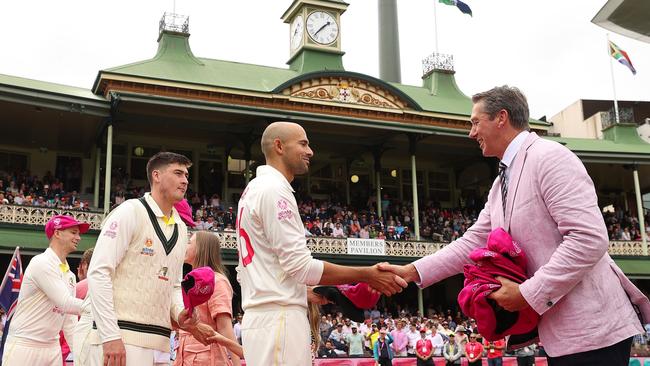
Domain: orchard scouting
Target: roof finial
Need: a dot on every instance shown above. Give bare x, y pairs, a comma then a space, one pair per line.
174, 23
438, 61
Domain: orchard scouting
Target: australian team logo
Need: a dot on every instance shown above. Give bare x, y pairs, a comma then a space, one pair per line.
162, 274
111, 232
284, 211
147, 248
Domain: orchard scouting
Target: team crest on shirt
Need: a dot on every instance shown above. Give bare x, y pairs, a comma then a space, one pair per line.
111, 232
162, 274
284, 212
147, 248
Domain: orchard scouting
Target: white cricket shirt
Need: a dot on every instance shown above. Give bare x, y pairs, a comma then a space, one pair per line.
275, 264
46, 301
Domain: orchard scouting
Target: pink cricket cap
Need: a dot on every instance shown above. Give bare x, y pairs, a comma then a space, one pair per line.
198, 286
61, 222
352, 299
360, 294
185, 211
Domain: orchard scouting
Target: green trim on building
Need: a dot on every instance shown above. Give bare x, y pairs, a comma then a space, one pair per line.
634, 267
33, 237
51, 95
623, 148
308, 60
623, 133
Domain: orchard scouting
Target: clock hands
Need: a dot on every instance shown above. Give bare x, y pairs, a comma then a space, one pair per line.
322, 27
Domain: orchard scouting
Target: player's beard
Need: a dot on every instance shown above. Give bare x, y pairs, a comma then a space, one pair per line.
300, 167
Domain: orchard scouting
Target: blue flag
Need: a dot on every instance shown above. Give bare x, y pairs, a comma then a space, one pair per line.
9, 291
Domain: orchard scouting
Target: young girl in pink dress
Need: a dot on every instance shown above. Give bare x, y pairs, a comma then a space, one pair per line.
204, 249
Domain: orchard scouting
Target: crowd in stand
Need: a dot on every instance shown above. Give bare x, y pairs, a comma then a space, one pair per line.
443, 335
324, 218
621, 225
22, 188
320, 217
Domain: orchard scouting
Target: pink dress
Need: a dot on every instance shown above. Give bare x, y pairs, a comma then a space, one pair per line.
190, 351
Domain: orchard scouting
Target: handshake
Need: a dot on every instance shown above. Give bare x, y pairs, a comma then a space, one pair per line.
387, 279
390, 279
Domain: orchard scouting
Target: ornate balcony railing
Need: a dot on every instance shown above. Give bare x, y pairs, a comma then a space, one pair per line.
38, 216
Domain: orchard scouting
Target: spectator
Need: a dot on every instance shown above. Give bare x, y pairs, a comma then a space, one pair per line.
338, 339
495, 351
413, 336
424, 349
400, 340
327, 351
382, 352
452, 351
474, 351
355, 342
436, 341
461, 336
373, 336
526, 356
324, 327
338, 231
237, 328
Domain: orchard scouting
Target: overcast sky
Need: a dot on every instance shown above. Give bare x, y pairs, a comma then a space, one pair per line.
550, 49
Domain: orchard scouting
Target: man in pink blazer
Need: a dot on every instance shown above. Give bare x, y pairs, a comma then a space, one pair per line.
551, 210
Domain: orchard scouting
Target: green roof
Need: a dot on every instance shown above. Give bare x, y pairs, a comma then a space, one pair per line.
439, 94
44, 86
175, 62
619, 140
33, 237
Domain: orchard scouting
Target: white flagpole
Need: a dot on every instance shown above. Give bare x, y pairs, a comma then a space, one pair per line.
611, 70
4, 279
435, 25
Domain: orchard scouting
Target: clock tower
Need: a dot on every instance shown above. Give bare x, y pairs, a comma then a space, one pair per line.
315, 34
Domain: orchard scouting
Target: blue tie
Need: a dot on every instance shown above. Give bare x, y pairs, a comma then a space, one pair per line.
504, 186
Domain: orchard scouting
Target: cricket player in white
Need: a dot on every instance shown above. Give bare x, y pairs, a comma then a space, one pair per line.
46, 303
135, 272
275, 265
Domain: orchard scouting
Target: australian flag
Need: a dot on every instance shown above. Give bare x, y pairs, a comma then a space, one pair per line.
9, 291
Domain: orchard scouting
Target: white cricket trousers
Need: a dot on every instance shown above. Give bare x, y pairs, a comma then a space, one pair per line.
19, 352
135, 356
274, 335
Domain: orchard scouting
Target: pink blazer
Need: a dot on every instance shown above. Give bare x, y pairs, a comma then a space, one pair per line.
552, 211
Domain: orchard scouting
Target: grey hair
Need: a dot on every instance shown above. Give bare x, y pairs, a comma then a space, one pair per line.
508, 98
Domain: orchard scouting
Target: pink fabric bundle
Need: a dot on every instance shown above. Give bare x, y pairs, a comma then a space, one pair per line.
501, 257
185, 211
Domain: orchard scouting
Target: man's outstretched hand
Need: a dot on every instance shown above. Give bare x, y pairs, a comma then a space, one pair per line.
386, 282
406, 272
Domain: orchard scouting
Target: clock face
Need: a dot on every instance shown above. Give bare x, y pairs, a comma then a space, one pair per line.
297, 30
322, 27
